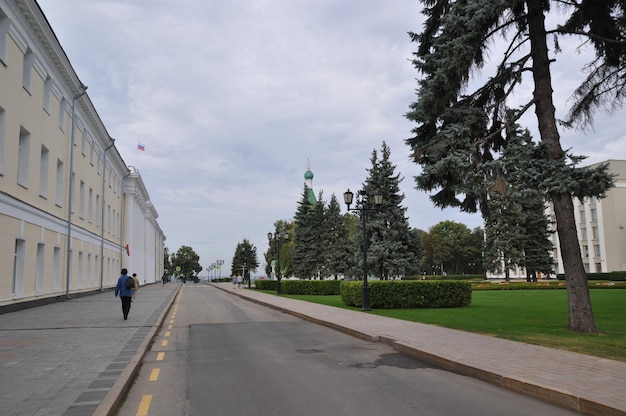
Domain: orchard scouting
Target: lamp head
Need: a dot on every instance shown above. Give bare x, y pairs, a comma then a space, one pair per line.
348, 197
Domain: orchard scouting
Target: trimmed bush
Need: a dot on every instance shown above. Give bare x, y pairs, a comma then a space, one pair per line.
613, 276
265, 284
394, 294
440, 277
311, 287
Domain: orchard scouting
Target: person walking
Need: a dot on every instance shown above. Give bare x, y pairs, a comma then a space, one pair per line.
136, 288
239, 281
125, 292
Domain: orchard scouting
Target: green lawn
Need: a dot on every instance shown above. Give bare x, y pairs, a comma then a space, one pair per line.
532, 316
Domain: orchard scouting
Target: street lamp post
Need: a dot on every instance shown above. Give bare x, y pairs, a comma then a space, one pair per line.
219, 267
278, 237
362, 206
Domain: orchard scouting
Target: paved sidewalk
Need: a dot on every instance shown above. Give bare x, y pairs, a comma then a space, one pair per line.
589, 385
76, 357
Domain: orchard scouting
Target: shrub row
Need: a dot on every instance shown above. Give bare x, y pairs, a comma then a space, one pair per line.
311, 287
301, 287
613, 276
603, 284
440, 277
265, 284
396, 294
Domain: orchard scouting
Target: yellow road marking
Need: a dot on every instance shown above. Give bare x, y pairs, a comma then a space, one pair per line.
164, 343
154, 374
144, 406
167, 333
169, 327
160, 356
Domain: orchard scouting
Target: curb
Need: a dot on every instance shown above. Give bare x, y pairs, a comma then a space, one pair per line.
113, 398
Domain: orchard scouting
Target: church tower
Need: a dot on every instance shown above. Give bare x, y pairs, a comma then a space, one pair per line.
308, 183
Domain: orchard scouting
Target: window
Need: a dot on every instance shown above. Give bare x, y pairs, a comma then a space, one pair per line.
2, 122
81, 202
586, 250
582, 215
43, 171
59, 190
47, 91
583, 232
83, 142
594, 215
62, 109
596, 233
90, 202
80, 269
97, 210
17, 284
27, 70
4, 29
22, 158
89, 274
99, 167
39, 270
56, 269
596, 249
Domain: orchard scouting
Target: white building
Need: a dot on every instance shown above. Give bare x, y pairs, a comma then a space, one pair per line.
62, 235
600, 226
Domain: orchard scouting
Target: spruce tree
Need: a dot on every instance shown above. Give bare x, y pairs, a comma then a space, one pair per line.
389, 252
306, 240
460, 128
338, 247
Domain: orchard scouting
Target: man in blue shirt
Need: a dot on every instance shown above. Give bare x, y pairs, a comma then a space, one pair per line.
124, 292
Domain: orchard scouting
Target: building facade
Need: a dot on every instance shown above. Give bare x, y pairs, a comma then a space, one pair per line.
600, 226
66, 196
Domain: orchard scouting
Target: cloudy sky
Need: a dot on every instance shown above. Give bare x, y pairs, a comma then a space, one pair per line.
234, 99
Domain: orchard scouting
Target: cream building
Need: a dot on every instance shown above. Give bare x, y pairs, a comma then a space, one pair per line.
600, 226
62, 234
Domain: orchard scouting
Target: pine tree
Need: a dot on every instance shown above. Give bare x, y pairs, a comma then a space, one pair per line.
458, 130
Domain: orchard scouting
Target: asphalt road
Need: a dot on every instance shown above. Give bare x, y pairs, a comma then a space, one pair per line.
218, 354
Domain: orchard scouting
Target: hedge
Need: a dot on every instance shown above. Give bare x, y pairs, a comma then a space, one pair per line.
543, 285
446, 277
394, 294
301, 287
311, 287
613, 276
265, 284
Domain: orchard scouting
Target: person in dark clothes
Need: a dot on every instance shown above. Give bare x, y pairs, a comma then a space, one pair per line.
124, 293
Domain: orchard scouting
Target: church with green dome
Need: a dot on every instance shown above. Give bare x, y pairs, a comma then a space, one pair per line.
308, 183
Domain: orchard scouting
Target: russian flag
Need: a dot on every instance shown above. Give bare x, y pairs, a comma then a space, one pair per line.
141, 147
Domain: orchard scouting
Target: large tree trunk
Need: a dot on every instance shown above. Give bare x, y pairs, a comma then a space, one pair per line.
580, 312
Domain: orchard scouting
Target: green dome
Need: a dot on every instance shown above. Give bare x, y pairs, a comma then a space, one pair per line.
308, 175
